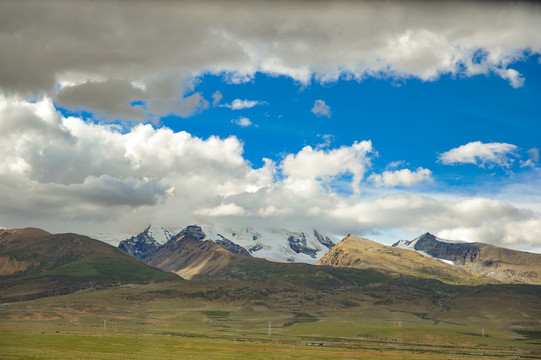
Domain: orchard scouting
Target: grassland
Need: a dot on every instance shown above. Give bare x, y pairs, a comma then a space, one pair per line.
230, 320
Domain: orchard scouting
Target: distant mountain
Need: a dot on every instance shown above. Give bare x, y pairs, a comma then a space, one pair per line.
499, 263
360, 253
187, 256
146, 242
196, 259
35, 263
273, 244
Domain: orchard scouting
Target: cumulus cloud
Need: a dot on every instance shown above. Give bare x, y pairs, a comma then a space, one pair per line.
481, 154
124, 52
242, 121
55, 168
114, 100
65, 174
514, 77
523, 233
239, 104
416, 213
403, 177
310, 164
321, 109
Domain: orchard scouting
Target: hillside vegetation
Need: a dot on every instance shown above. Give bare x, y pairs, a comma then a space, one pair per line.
36, 263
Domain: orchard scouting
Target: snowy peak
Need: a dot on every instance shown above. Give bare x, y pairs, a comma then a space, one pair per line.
272, 244
424, 241
194, 231
276, 244
141, 245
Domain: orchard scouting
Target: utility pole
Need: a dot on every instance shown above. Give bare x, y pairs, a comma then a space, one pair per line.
269, 328
105, 324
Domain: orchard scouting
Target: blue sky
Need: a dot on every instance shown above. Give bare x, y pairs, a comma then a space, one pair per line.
334, 115
408, 120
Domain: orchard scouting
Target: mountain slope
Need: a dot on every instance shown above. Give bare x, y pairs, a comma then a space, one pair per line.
196, 259
499, 263
188, 256
34, 261
360, 253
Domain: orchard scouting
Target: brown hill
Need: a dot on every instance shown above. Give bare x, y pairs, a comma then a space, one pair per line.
35, 263
360, 253
187, 256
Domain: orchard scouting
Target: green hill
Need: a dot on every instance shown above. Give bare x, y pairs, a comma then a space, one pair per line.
35, 263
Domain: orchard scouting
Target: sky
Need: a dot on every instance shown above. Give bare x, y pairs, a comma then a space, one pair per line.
381, 118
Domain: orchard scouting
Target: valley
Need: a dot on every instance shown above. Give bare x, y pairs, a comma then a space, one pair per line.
81, 298
230, 319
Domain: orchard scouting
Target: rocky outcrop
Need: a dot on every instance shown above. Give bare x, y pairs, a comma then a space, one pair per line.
141, 245
323, 240
298, 244
256, 247
194, 231
231, 246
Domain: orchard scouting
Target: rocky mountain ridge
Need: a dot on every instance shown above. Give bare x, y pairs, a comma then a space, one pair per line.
499, 263
360, 253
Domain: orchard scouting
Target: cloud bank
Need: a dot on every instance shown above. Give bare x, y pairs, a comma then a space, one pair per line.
65, 174
130, 63
135, 60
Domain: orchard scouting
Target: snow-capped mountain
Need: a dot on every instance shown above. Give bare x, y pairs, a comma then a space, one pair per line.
499, 263
145, 243
425, 244
306, 246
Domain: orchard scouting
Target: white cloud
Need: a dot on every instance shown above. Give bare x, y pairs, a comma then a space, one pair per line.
124, 52
534, 154
308, 165
396, 164
519, 233
514, 77
229, 209
242, 121
403, 177
321, 109
480, 154
239, 104
65, 174
532, 161
421, 213
327, 141
54, 168
216, 98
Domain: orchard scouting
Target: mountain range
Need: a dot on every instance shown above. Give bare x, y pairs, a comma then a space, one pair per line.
357, 284
203, 251
306, 246
35, 263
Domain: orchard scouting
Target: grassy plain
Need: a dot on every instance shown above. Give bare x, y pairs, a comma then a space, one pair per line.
230, 320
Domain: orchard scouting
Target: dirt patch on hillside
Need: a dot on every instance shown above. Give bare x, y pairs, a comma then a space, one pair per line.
9, 265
